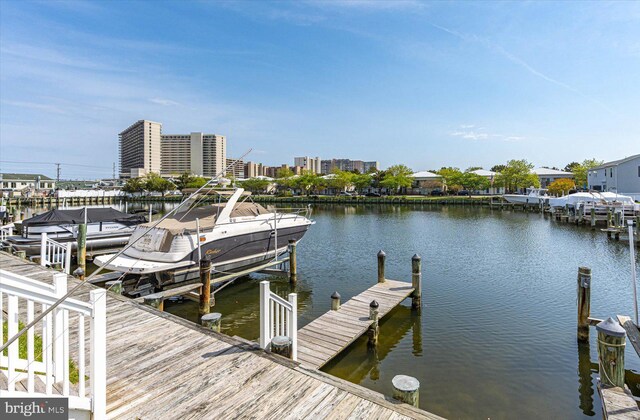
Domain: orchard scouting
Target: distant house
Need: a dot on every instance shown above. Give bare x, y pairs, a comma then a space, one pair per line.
19, 182
621, 176
547, 175
491, 176
424, 182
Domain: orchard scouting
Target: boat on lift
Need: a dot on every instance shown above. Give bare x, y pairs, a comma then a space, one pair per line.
234, 235
533, 197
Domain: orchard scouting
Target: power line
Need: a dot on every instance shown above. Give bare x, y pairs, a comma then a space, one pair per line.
54, 163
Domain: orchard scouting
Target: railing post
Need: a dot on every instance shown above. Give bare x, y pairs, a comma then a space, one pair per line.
265, 316
43, 249
60, 289
98, 300
67, 258
293, 325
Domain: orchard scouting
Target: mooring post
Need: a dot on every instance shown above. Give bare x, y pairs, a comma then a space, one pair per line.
211, 321
381, 257
293, 265
374, 329
82, 247
78, 273
21, 254
335, 301
593, 218
406, 389
416, 281
609, 217
281, 345
611, 343
205, 291
584, 302
115, 286
155, 300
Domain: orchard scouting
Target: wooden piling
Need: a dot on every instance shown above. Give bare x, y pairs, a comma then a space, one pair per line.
335, 301
212, 321
155, 300
416, 281
82, 246
281, 345
584, 302
115, 286
611, 343
381, 257
205, 292
593, 218
21, 254
406, 389
293, 264
374, 329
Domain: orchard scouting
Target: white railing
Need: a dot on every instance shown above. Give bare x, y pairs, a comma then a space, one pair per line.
6, 231
52, 252
278, 317
50, 364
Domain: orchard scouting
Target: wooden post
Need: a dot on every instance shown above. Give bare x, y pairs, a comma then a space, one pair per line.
82, 246
584, 302
609, 216
374, 329
293, 265
57, 266
155, 300
21, 254
212, 321
281, 345
205, 292
381, 257
115, 286
593, 218
406, 389
611, 343
416, 281
79, 273
335, 301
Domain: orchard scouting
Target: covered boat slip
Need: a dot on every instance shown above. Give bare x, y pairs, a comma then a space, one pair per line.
58, 217
593, 198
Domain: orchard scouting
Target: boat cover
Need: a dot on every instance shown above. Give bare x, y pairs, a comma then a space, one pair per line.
74, 217
586, 197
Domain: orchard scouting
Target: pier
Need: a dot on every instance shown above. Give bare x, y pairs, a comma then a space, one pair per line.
159, 363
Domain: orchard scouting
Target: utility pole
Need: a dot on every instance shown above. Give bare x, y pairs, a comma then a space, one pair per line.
57, 173
114, 171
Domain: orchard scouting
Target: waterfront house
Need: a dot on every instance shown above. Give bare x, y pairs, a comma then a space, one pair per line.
548, 175
491, 176
620, 176
16, 183
424, 182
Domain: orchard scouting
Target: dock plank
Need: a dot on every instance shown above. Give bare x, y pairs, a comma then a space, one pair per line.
632, 332
617, 404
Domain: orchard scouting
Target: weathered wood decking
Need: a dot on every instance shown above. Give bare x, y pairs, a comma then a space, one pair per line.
159, 365
324, 338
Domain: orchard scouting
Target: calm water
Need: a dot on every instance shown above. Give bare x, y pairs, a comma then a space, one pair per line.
496, 336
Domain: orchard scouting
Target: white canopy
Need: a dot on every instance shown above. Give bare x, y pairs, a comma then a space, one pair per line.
590, 197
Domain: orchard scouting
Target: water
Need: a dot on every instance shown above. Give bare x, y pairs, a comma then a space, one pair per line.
496, 336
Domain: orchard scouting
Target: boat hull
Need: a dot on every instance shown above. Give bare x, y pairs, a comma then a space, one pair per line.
524, 199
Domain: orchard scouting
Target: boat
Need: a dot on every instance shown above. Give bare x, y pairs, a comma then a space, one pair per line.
234, 235
593, 198
533, 197
106, 228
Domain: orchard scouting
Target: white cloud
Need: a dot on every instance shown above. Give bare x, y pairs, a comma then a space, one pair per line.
473, 133
164, 102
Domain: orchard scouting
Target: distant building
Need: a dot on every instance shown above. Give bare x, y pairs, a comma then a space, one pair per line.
547, 175
327, 166
424, 182
235, 168
491, 176
308, 163
621, 176
139, 148
196, 153
371, 165
253, 170
18, 182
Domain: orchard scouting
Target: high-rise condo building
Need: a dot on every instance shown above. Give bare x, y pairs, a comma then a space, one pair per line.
235, 168
196, 153
253, 169
139, 148
328, 165
308, 163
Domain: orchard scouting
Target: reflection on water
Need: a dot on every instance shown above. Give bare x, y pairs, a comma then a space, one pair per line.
496, 336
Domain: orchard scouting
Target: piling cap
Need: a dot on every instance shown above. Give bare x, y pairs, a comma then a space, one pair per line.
381, 253
610, 327
78, 272
153, 296
211, 316
416, 257
335, 295
405, 383
373, 304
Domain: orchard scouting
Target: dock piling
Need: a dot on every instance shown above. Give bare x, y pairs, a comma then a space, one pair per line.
21, 254
281, 345
406, 389
381, 257
82, 247
611, 343
211, 321
335, 301
293, 265
584, 302
593, 218
155, 300
374, 329
416, 281
205, 292
115, 286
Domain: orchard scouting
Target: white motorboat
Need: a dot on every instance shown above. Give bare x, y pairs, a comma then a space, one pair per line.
106, 228
595, 198
533, 197
233, 235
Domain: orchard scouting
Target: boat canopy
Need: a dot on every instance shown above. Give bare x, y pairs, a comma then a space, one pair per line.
586, 197
77, 216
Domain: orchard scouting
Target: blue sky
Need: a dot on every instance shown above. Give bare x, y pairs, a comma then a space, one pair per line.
426, 84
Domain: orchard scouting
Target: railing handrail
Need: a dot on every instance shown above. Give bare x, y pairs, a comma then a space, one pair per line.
59, 253
282, 322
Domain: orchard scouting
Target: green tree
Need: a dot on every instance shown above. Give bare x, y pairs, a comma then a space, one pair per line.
308, 182
133, 185
452, 177
362, 181
474, 182
196, 182
397, 177
517, 174
473, 168
498, 168
581, 170
183, 180
341, 179
154, 182
255, 185
284, 178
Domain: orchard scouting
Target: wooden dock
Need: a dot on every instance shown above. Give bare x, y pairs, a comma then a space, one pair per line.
324, 338
161, 365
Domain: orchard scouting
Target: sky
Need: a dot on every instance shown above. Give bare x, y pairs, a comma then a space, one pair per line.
426, 84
